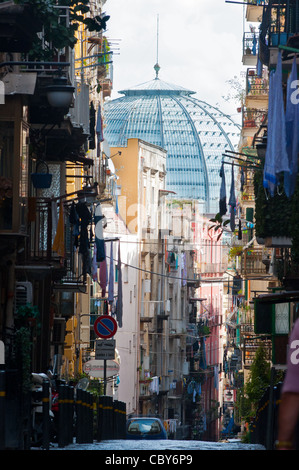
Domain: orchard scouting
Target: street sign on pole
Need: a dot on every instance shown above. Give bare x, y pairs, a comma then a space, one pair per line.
105, 326
105, 349
100, 369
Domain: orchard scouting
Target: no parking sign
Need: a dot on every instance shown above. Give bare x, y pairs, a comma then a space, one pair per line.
105, 326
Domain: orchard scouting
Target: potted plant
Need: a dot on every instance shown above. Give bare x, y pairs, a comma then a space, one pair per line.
28, 315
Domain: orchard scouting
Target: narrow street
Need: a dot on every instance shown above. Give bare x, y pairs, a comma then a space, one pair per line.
183, 446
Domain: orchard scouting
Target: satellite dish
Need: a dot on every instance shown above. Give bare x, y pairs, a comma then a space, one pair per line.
83, 383
106, 148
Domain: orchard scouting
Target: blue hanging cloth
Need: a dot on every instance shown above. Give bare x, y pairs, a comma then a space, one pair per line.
222, 199
276, 159
232, 202
119, 306
292, 141
99, 235
111, 276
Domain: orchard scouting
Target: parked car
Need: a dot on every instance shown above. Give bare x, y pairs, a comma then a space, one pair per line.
145, 428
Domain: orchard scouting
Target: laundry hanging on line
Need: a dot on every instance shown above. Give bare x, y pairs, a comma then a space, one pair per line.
276, 158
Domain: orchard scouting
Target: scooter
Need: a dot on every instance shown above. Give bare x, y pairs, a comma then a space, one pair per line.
37, 408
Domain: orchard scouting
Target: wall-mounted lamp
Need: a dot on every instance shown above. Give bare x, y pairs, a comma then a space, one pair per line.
118, 153
60, 94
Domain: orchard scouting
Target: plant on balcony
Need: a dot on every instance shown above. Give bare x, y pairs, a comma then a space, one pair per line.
28, 316
219, 224
235, 251
277, 216
55, 33
23, 347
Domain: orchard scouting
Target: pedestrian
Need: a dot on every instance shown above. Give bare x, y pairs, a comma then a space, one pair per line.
288, 414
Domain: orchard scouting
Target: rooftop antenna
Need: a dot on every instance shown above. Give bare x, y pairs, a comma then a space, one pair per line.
157, 66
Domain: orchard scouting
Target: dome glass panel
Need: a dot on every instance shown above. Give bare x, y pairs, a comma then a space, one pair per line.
194, 134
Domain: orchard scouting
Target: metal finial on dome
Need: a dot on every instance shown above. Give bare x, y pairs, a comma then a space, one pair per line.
157, 66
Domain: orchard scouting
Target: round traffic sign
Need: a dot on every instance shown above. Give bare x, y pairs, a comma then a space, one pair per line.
95, 368
105, 326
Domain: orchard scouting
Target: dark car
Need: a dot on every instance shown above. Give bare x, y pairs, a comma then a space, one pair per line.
145, 428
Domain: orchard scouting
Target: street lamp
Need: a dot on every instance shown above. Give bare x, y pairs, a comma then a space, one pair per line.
60, 94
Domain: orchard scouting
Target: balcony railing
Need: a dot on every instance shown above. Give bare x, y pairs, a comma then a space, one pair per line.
255, 85
40, 249
250, 44
255, 261
253, 118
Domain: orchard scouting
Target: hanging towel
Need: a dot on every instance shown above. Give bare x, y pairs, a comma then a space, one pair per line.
94, 267
99, 128
222, 199
242, 180
58, 244
292, 141
240, 230
111, 276
232, 202
116, 197
74, 221
254, 44
85, 219
276, 159
54, 218
119, 306
99, 236
103, 276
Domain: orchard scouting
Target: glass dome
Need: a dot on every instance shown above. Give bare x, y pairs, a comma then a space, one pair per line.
194, 134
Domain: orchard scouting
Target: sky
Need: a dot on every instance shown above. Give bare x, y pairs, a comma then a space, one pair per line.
199, 46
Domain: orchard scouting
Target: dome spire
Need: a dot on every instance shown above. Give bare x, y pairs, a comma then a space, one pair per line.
157, 66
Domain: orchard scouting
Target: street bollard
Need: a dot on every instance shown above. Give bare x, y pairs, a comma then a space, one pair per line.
90, 418
85, 417
46, 414
100, 418
62, 416
79, 416
109, 418
123, 420
117, 419
70, 414
2, 409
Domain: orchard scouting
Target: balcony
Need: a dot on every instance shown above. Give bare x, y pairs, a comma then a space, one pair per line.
255, 261
211, 268
257, 89
68, 266
250, 48
252, 120
18, 27
279, 24
254, 11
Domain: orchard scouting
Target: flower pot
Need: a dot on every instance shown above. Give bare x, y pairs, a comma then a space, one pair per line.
41, 180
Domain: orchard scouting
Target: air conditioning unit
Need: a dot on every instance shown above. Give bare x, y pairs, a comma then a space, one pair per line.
23, 294
58, 331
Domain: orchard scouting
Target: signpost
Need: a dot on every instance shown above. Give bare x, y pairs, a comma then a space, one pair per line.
105, 349
105, 327
95, 368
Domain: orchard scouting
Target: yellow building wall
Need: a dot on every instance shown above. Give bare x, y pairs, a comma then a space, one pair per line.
126, 166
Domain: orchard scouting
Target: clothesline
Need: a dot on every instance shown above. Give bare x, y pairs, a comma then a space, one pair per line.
153, 272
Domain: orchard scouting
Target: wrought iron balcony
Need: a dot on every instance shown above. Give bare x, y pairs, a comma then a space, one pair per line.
69, 267
255, 261
257, 88
250, 48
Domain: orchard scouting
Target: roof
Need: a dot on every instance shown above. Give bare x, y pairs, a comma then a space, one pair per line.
194, 133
